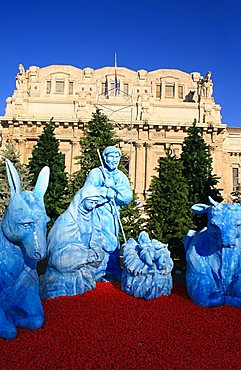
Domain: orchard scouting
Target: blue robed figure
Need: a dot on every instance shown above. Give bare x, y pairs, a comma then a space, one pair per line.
74, 247
115, 192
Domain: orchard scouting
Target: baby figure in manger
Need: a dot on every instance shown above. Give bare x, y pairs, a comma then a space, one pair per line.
147, 268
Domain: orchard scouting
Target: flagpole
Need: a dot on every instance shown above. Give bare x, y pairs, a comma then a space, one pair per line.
106, 88
116, 82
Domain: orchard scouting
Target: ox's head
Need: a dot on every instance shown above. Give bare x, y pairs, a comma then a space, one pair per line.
24, 223
224, 222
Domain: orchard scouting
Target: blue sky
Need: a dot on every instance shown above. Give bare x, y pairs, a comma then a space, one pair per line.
186, 35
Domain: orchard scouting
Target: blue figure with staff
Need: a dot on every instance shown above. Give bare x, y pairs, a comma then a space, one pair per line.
115, 192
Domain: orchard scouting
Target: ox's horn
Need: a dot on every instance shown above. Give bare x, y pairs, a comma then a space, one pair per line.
212, 201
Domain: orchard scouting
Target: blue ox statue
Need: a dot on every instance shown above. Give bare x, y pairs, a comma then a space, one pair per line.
22, 244
213, 256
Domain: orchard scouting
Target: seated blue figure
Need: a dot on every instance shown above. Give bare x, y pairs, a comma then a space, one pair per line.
213, 255
147, 267
22, 244
115, 192
74, 248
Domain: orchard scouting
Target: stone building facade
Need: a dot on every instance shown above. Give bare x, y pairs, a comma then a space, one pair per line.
150, 110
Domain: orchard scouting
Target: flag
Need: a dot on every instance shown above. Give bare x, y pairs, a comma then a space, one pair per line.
106, 88
116, 81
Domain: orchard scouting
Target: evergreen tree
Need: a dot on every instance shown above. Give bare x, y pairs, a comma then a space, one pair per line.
14, 156
132, 219
197, 169
46, 153
169, 216
98, 134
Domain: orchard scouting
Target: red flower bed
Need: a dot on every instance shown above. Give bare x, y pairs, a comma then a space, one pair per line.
107, 329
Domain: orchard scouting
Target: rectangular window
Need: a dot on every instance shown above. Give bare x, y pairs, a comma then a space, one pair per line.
126, 89
176, 152
235, 178
169, 91
158, 91
103, 87
180, 92
59, 88
71, 88
112, 88
125, 161
118, 87
48, 87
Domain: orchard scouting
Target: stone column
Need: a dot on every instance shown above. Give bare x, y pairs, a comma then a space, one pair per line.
148, 166
132, 164
1, 135
74, 153
21, 147
176, 90
139, 169
162, 90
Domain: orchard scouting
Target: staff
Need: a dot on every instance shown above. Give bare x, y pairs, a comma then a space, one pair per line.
113, 200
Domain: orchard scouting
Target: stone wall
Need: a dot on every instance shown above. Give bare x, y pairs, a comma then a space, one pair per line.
150, 110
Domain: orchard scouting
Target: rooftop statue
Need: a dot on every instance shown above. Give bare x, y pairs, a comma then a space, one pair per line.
21, 77
213, 256
115, 192
74, 247
22, 244
147, 268
205, 86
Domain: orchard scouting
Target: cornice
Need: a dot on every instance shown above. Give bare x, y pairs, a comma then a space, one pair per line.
122, 124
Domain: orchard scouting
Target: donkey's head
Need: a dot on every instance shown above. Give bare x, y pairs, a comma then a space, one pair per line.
24, 223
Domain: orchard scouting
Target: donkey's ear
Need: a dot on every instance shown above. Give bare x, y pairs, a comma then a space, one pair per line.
42, 182
13, 178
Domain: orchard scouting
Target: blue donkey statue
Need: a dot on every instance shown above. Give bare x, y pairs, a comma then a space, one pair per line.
22, 244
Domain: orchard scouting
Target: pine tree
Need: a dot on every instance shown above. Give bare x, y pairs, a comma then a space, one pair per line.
14, 156
197, 169
46, 153
98, 134
169, 216
132, 219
